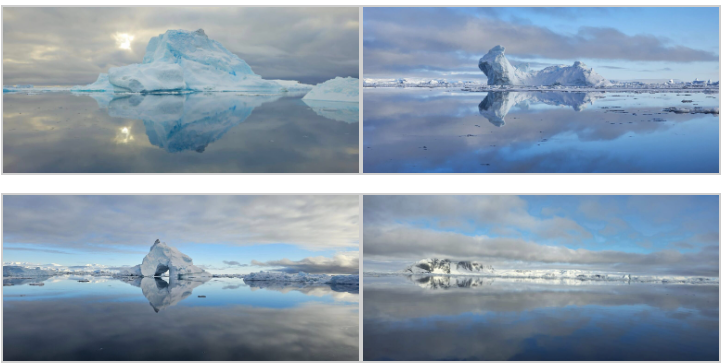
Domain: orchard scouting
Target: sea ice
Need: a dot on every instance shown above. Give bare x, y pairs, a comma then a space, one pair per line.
338, 89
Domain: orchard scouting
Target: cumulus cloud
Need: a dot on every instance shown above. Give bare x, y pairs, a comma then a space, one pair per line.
121, 223
235, 263
341, 263
67, 46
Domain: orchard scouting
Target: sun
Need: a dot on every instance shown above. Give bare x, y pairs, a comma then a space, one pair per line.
123, 40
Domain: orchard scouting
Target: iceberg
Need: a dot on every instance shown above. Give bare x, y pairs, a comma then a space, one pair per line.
338, 89
163, 258
500, 71
100, 85
181, 60
445, 266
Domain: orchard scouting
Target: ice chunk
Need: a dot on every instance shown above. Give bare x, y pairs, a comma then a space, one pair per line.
100, 85
338, 89
188, 60
500, 71
163, 258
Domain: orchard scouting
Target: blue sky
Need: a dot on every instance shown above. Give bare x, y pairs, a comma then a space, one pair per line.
619, 43
635, 234
224, 234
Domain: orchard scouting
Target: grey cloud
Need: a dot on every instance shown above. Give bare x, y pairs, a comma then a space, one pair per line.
339, 264
448, 39
67, 46
93, 223
36, 250
235, 263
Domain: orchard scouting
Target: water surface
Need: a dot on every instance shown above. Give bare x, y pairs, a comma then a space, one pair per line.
193, 133
426, 318
449, 131
161, 319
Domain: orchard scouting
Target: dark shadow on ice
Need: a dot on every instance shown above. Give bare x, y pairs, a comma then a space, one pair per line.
161, 293
497, 105
339, 111
183, 122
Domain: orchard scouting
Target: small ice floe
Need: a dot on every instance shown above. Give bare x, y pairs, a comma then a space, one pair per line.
687, 101
84, 280
202, 296
7, 284
712, 110
36, 284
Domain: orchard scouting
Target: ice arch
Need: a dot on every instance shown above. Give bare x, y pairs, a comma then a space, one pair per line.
163, 258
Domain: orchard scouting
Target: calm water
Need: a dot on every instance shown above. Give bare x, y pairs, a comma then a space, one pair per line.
442, 131
157, 319
480, 319
196, 133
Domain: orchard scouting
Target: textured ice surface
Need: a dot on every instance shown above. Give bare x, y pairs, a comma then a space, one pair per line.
500, 71
25, 272
100, 85
303, 277
337, 89
188, 60
163, 258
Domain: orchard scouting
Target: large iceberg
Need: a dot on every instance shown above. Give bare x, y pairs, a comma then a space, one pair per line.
338, 89
500, 71
163, 258
181, 60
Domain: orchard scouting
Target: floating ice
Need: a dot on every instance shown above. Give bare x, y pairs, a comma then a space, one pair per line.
338, 89
19, 271
163, 258
303, 277
100, 85
500, 71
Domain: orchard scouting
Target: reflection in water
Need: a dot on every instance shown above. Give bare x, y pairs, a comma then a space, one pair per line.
340, 111
178, 123
221, 133
162, 294
107, 319
497, 105
286, 286
504, 320
438, 131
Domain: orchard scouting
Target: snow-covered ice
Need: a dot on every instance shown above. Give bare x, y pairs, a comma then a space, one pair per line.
303, 277
163, 258
338, 89
436, 266
500, 71
19, 271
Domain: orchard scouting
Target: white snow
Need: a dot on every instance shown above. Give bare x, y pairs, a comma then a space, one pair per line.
435, 266
303, 277
162, 258
338, 89
500, 71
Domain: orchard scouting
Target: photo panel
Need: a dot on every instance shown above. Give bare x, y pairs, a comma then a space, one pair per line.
541, 90
181, 90
181, 277
541, 277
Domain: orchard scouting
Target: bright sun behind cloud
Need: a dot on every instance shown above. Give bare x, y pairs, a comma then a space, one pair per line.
123, 40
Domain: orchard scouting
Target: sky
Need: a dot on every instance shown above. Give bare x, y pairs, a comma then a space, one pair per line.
641, 43
645, 235
71, 46
222, 234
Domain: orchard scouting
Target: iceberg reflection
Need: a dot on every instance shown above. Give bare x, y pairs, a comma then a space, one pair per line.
183, 122
161, 293
497, 105
339, 111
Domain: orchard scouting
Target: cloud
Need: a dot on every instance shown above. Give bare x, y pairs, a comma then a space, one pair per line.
409, 39
341, 263
67, 46
235, 263
129, 223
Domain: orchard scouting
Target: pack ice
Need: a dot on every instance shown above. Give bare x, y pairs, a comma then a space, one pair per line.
182, 60
163, 258
500, 71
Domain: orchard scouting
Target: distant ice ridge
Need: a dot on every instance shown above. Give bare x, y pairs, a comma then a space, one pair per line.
163, 258
500, 71
19, 271
435, 266
303, 277
338, 89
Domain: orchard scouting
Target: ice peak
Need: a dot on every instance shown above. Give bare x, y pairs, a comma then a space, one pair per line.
498, 49
163, 258
579, 64
201, 32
